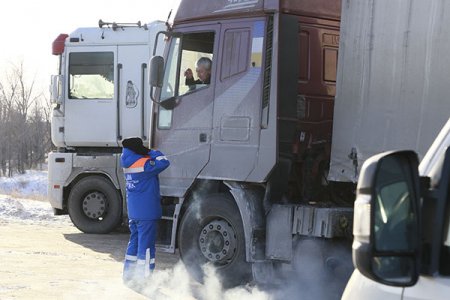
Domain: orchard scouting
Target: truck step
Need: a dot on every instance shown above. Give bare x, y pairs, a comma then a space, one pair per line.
167, 228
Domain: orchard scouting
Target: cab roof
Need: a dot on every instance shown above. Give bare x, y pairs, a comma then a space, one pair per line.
109, 35
191, 10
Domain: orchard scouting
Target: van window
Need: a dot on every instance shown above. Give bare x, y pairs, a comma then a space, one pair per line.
91, 75
444, 263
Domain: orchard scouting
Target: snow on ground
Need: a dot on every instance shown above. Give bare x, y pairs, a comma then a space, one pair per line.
18, 197
31, 185
28, 211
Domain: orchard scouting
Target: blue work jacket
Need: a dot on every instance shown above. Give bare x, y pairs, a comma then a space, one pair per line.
141, 175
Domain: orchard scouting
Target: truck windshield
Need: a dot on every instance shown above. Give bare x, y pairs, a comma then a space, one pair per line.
189, 64
91, 75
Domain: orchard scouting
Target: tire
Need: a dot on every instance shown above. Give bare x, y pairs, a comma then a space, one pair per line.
95, 205
211, 231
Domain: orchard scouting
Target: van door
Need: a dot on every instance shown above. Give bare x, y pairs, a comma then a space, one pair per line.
184, 132
133, 92
429, 288
438, 286
90, 102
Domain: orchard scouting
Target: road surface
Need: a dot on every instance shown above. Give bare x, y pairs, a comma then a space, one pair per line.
56, 261
45, 257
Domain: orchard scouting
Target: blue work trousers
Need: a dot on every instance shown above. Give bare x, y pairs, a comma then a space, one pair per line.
141, 250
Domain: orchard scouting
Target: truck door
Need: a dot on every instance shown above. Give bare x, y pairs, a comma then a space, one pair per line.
133, 91
184, 132
90, 104
238, 100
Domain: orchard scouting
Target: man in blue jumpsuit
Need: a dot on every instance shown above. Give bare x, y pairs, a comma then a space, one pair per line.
141, 167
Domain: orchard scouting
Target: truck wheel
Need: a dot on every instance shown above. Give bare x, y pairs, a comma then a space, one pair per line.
211, 231
94, 205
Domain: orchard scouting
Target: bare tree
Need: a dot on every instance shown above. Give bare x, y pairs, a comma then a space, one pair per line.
40, 140
24, 123
9, 94
2, 132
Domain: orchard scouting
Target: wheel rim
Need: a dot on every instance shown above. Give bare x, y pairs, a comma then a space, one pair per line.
217, 241
95, 205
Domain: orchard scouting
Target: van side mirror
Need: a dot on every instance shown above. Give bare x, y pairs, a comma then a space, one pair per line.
56, 89
156, 71
386, 246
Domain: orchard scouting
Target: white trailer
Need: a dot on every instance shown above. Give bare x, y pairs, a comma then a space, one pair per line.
101, 95
392, 87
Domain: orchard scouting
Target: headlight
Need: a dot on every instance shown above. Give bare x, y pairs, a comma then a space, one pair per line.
361, 221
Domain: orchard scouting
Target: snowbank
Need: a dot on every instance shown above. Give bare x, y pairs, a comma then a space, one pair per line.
28, 211
18, 197
31, 185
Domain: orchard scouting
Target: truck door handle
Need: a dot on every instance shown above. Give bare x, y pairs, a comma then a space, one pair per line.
203, 137
143, 67
119, 68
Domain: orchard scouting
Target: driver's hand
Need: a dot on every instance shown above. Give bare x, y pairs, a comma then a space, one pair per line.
188, 74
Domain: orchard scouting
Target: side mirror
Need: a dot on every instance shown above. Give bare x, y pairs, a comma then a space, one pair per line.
156, 71
56, 89
170, 103
386, 246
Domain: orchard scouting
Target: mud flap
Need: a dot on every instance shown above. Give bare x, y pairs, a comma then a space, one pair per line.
279, 233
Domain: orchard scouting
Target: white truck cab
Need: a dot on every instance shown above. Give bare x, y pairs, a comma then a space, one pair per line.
101, 91
101, 95
401, 247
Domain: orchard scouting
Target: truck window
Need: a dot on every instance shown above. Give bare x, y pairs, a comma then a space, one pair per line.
91, 75
235, 53
196, 55
185, 53
170, 79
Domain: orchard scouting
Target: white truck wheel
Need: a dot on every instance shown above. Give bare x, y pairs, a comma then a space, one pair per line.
95, 205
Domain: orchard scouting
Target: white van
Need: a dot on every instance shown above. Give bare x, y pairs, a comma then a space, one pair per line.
401, 247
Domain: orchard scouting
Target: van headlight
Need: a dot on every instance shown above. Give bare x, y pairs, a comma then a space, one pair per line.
361, 221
